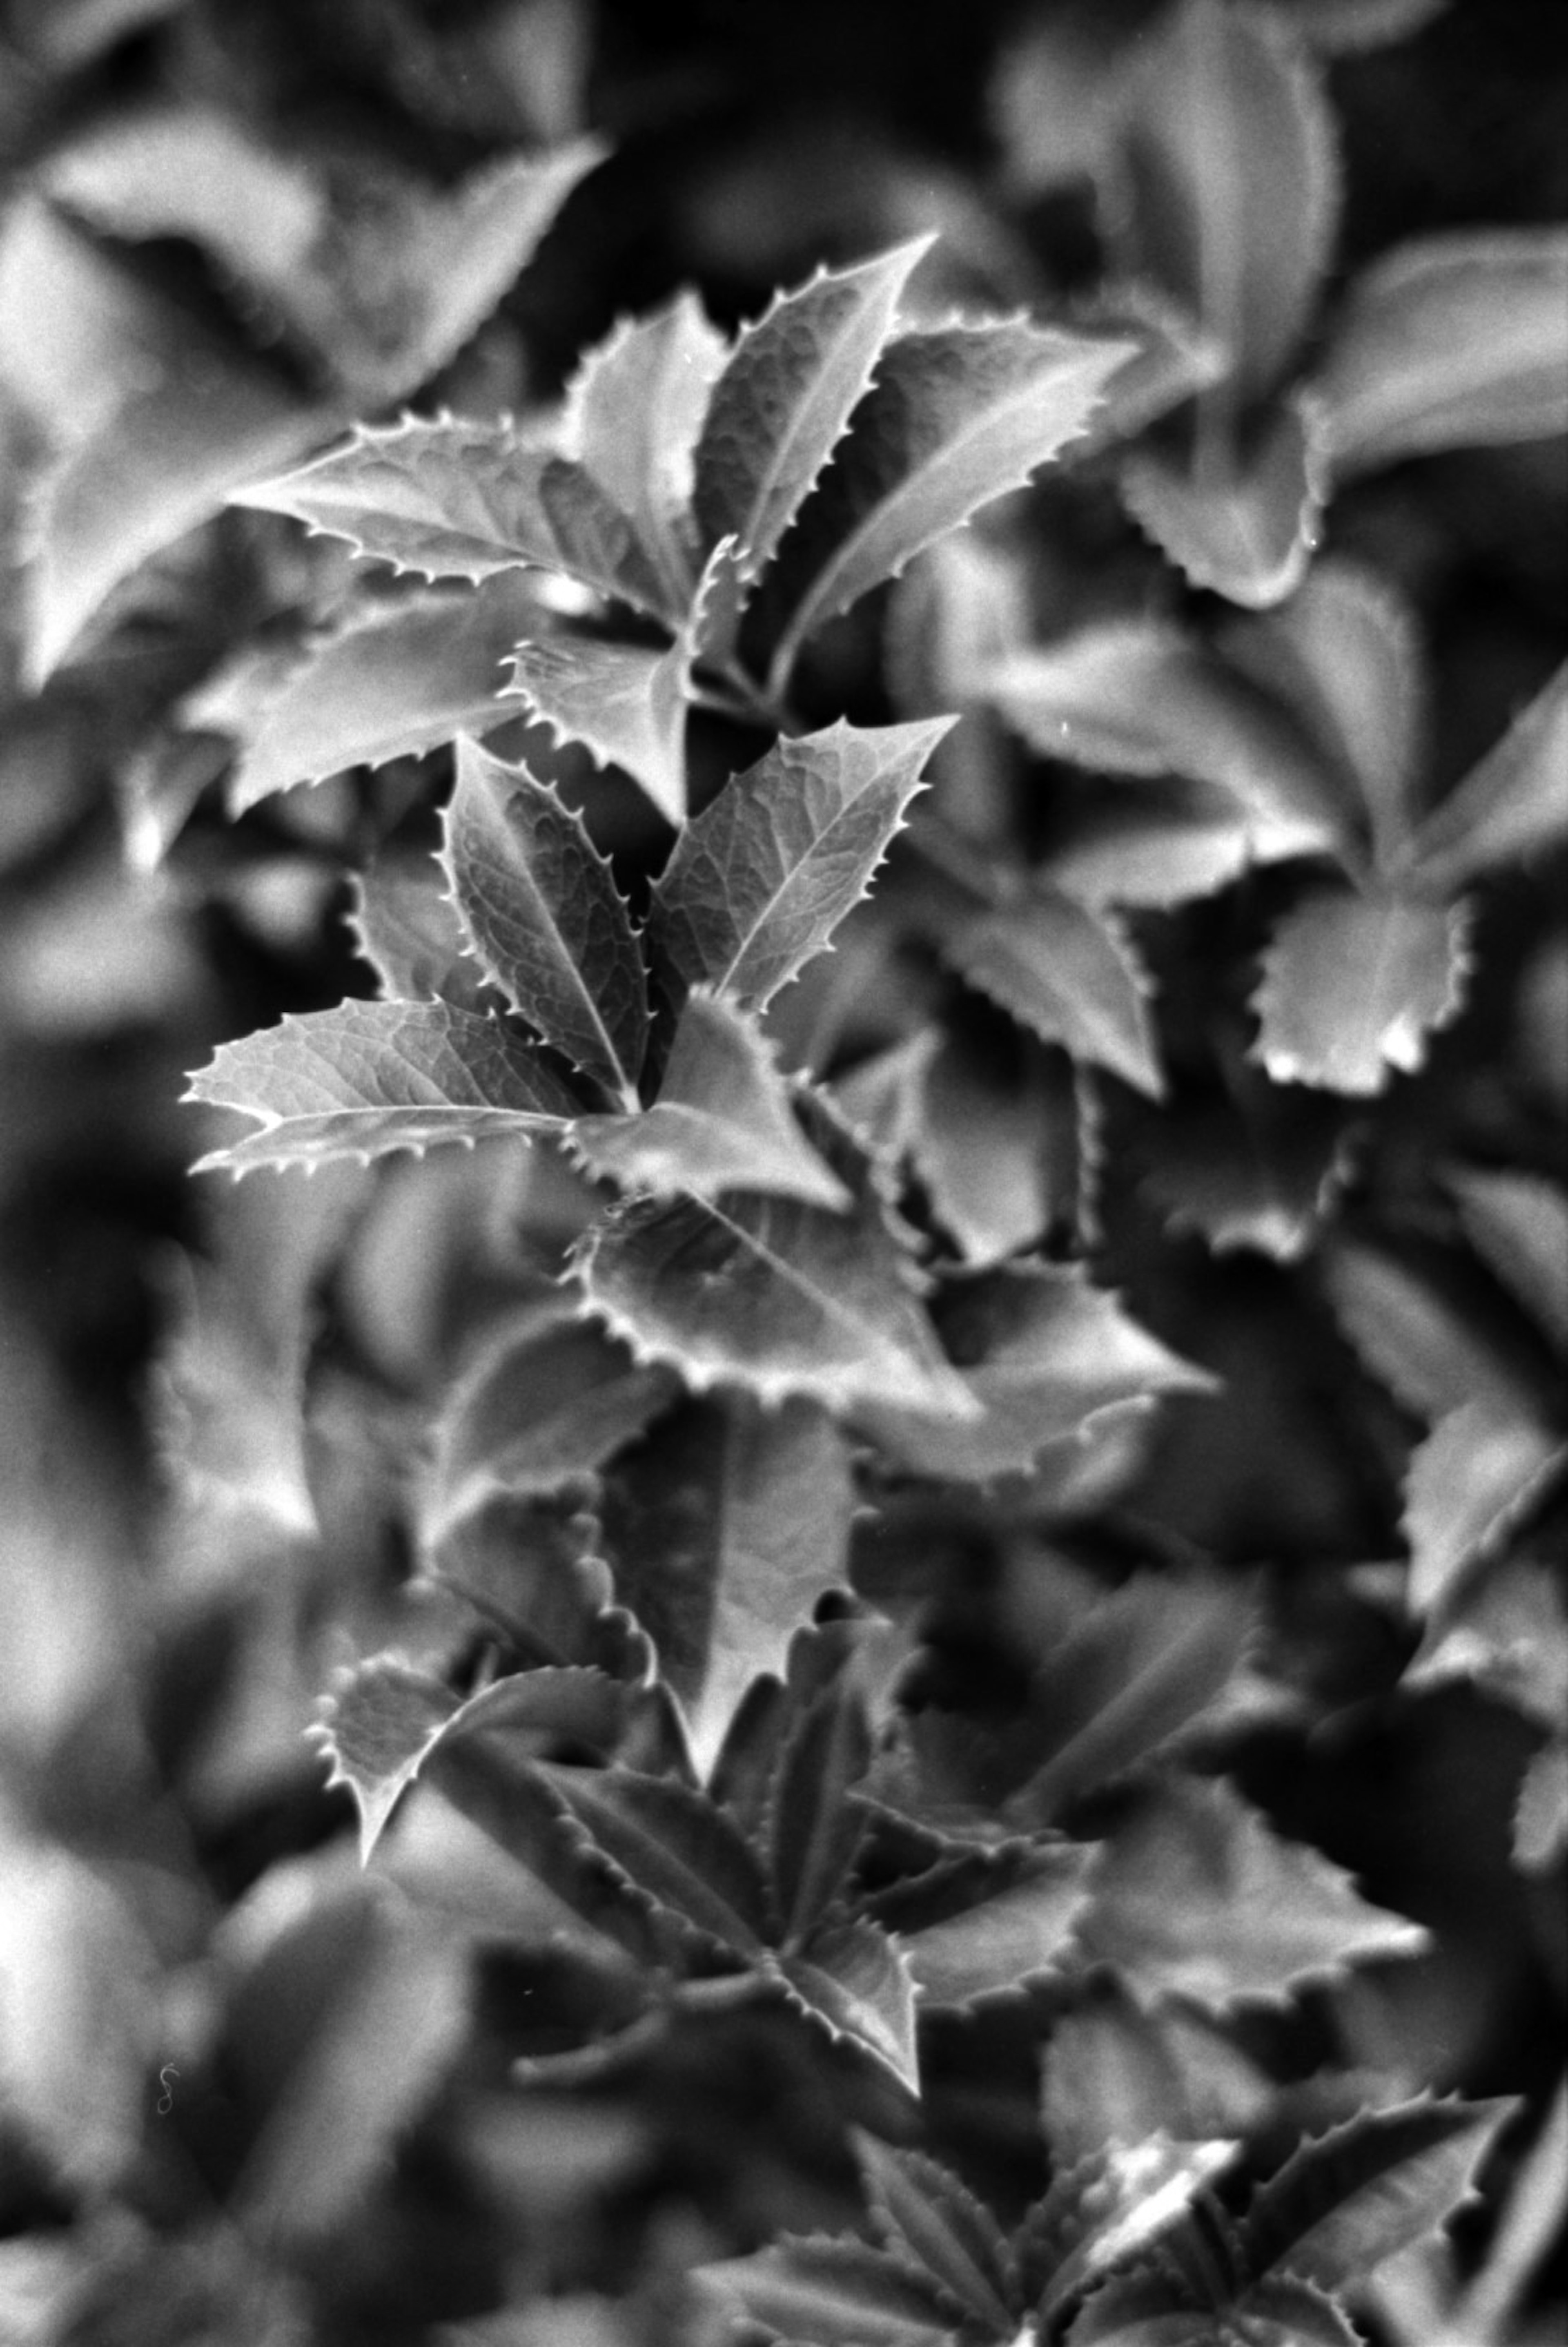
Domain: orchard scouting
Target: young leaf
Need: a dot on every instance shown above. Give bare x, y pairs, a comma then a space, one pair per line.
785, 395
998, 1944
1195, 1896
815, 1829
1066, 974
928, 2218
624, 702
459, 500
633, 412
774, 1295
1246, 525
1478, 1472
1368, 2190
854, 1981
1518, 1225
1449, 341
759, 882
723, 1121
835, 2293
1229, 192
671, 1848
1354, 984
545, 919
371, 1077
1511, 804
398, 679
955, 416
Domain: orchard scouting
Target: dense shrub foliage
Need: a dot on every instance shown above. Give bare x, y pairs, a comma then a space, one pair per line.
838, 738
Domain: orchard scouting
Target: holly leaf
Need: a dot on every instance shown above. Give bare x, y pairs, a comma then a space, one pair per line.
1247, 525
452, 499
852, 1980
1509, 806
633, 412
1114, 2074
527, 1567
772, 1294
1353, 985
1195, 1896
956, 416
1449, 341
999, 1942
672, 1850
371, 1077
545, 918
1066, 973
1042, 1352
723, 1121
785, 395
1518, 1225
1227, 192
1478, 1473
1259, 1166
1541, 1812
625, 704
835, 2293
408, 932
1140, 697
1160, 2309
815, 1829
931, 2219
1361, 2194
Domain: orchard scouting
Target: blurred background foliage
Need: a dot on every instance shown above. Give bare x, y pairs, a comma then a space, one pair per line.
216, 2036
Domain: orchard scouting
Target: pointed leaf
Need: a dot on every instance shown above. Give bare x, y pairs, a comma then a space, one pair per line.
784, 396
773, 1294
723, 1121
1261, 1166
633, 413
1068, 975
816, 1830
1159, 843
1518, 1225
1511, 804
928, 2216
1173, 360
1353, 985
527, 1567
1249, 527
545, 919
1476, 1475
406, 927
673, 1847
1411, 1337
1195, 1896
834, 2293
1139, 697
760, 881
461, 500
853, 1981
371, 1077
1368, 2190
955, 416
1115, 2074
1114, 2206
997, 1946
1450, 341
1229, 196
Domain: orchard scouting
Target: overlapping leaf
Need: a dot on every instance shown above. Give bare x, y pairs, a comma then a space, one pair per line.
1068, 975
1245, 524
1354, 984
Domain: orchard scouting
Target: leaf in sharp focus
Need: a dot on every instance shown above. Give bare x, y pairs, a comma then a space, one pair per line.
545, 919
724, 1528
633, 412
405, 926
1247, 527
774, 1295
956, 416
835, 2293
1518, 1225
815, 1829
1449, 341
1228, 191
999, 1945
1473, 1479
1112, 2209
1140, 697
624, 704
397, 680
1368, 2190
926, 2215
383, 1723
454, 499
1345, 655
1355, 983
1042, 1351
785, 395
1261, 1166
672, 1846
1512, 803
723, 1121
759, 882
1195, 1896
854, 1981
549, 1399
371, 1077
1068, 975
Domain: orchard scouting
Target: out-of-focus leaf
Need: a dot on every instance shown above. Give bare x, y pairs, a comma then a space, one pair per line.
371, 1077
1260, 1167
836, 2293
407, 928
759, 882
1411, 1338
1000, 1943
1173, 361
1470, 1481
1247, 525
1195, 1896
855, 1982
1448, 342
785, 395
1228, 187
545, 919
1511, 804
1161, 2310
1349, 26
925, 2214
1068, 975
1355, 983
394, 682
1115, 2074
1541, 1813
955, 416
1518, 1225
